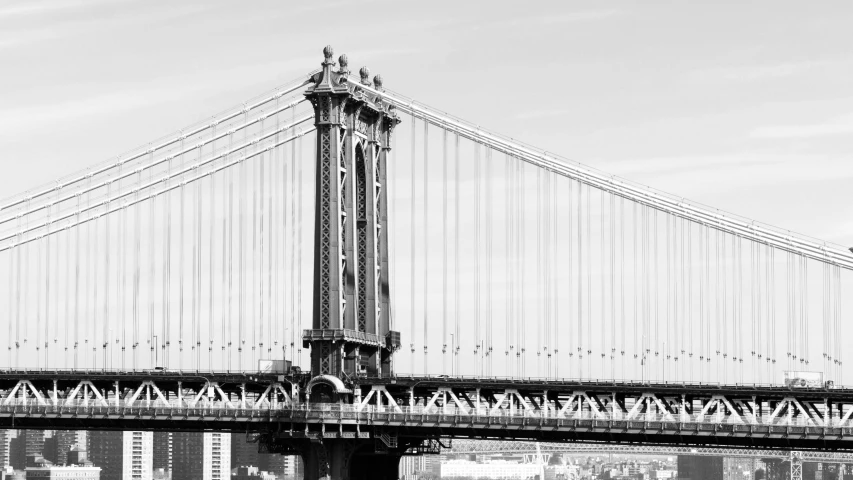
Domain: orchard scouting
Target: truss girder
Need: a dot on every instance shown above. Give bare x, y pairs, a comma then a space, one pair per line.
680, 414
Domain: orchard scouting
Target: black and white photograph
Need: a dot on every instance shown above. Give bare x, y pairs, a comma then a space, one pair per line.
476, 240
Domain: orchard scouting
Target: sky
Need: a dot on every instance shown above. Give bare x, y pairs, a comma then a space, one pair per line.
743, 106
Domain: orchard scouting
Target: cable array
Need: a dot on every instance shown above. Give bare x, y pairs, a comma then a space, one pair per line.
198, 242
133, 255
584, 269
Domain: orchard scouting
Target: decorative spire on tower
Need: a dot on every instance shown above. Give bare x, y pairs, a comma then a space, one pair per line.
343, 61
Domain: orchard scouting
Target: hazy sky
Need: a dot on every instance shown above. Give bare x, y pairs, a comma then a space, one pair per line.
744, 106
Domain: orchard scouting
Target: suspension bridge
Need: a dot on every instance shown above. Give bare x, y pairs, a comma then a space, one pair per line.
462, 285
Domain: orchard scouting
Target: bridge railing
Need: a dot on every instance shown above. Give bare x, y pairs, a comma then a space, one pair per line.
182, 408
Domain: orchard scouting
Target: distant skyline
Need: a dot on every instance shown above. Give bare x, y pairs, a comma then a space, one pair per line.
742, 107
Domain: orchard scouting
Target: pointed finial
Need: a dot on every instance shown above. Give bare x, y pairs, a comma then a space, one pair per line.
328, 52
365, 74
344, 62
377, 82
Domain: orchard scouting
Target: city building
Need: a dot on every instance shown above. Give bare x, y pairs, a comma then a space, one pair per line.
8, 473
496, 470
163, 451
201, 455
419, 467
252, 473
66, 440
243, 452
52, 472
5, 440
122, 455
27, 444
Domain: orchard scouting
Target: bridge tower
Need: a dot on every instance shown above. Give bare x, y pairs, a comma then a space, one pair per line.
351, 335
351, 332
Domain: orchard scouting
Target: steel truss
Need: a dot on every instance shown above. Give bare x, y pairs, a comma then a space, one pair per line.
764, 417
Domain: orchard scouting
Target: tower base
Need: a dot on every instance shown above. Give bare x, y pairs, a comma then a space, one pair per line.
376, 457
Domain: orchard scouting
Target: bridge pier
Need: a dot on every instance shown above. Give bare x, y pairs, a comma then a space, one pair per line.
373, 457
348, 459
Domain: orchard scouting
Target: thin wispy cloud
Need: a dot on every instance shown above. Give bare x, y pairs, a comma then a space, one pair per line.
20, 33
533, 114
752, 73
31, 119
25, 9
703, 174
573, 17
582, 16
842, 125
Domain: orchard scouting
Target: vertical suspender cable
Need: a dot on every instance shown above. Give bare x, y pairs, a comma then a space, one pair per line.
444, 250
210, 259
636, 331
299, 176
658, 359
167, 258
260, 262
488, 226
276, 240
522, 196
690, 316
253, 282
580, 280
93, 320
272, 338
426, 243
197, 274
182, 192
38, 289
295, 281
539, 270
478, 334
180, 284
554, 271
772, 295
230, 287
603, 299
67, 323
412, 247
668, 297
9, 289
570, 255
152, 208
241, 252
805, 287
123, 274
510, 282
612, 286
707, 291
456, 339
717, 316
136, 272
46, 337
621, 278
589, 282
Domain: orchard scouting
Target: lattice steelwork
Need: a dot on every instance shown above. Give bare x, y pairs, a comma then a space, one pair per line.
355, 129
